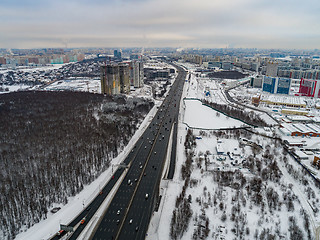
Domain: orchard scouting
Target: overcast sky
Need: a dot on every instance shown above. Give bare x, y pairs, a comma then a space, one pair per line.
160, 23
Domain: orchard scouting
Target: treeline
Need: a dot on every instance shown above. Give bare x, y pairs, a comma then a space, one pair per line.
54, 143
250, 118
182, 213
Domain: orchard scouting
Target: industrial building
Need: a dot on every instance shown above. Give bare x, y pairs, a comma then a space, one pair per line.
299, 129
283, 100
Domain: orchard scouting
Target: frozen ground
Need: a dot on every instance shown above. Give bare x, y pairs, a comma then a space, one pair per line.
82, 85
200, 116
227, 207
48, 227
14, 88
51, 225
33, 69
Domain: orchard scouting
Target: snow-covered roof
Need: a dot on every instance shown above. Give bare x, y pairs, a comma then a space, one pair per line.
298, 117
301, 154
283, 99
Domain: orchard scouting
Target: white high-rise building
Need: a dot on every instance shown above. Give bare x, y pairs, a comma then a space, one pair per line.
272, 69
136, 73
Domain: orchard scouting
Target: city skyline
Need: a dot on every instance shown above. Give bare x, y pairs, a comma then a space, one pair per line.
155, 23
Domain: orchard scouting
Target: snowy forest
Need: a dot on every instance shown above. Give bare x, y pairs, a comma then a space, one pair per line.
268, 196
54, 143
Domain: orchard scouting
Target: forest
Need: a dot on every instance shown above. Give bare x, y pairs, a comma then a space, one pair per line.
267, 197
54, 143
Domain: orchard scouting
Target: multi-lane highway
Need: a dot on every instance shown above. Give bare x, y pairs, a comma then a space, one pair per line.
131, 208
130, 211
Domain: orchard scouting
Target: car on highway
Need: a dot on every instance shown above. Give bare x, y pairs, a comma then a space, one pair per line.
82, 220
60, 232
130, 221
147, 195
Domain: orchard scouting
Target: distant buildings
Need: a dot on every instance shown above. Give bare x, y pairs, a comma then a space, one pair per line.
197, 59
272, 69
26, 60
309, 88
135, 56
117, 54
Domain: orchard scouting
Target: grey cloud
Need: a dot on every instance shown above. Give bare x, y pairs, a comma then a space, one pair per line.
246, 23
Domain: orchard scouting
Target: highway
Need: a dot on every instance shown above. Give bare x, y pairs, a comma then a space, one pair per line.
131, 208
129, 213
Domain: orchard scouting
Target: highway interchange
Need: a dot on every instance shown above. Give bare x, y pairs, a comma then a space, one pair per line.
129, 213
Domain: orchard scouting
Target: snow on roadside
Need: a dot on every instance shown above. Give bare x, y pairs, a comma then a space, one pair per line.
48, 227
295, 190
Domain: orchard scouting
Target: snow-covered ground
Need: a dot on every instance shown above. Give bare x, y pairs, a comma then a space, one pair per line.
83, 85
14, 88
51, 225
284, 206
33, 69
198, 115
48, 227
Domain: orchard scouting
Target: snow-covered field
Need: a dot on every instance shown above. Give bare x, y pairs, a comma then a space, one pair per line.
14, 88
252, 190
251, 193
82, 85
33, 69
198, 115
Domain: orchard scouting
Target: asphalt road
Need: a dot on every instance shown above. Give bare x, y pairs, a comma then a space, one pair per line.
146, 161
129, 213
